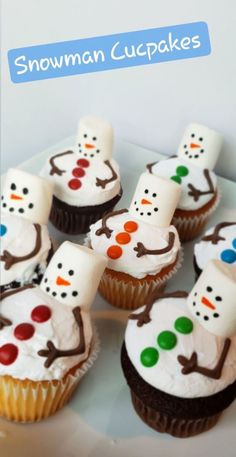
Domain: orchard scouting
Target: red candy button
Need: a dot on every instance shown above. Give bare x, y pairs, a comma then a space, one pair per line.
74, 184
41, 314
114, 252
24, 331
8, 354
131, 226
123, 238
83, 163
78, 172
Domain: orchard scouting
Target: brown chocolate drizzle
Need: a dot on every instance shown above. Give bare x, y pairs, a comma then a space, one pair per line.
104, 228
191, 365
103, 182
142, 250
52, 353
4, 322
144, 317
54, 169
196, 193
215, 236
8, 293
11, 259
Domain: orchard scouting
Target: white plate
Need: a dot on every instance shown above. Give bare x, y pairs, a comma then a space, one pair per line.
100, 421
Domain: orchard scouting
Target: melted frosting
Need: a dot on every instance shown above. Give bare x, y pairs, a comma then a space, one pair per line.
18, 237
61, 329
167, 168
151, 236
88, 194
166, 374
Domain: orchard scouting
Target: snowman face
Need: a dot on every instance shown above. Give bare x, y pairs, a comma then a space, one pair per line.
212, 300
155, 200
200, 146
94, 139
73, 275
27, 196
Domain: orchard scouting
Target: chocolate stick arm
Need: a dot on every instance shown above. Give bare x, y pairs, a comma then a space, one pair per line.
54, 169
103, 182
52, 353
215, 236
196, 193
8, 293
142, 250
4, 322
11, 259
191, 365
104, 228
150, 166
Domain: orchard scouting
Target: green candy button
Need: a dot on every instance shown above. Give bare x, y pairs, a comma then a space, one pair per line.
184, 325
182, 171
167, 340
149, 357
176, 179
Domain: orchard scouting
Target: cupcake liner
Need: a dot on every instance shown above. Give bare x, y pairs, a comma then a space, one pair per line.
181, 428
31, 401
75, 220
190, 227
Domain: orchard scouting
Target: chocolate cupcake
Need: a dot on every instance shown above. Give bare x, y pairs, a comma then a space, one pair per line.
192, 168
86, 178
219, 242
179, 355
26, 247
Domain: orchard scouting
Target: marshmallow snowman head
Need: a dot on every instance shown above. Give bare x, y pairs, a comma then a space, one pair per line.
212, 300
200, 146
27, 196
155, 200
73, 275
95, 138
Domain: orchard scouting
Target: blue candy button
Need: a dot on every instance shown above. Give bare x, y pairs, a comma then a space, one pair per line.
234, 243
228, 256
3, 230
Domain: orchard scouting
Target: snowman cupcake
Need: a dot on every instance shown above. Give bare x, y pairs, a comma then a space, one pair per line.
193, 170
142, 248
25, 243
86, 178
179, 355
218, 242
47, 342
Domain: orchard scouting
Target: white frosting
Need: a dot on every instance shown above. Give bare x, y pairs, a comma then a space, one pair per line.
167, 168
166, 374
88, 194
18, 237
61, 329
206, 250
151, 236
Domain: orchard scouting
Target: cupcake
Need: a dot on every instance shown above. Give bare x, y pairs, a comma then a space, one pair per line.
142, 248
86, 178
179, 355
219, 242
26, 247
47, 342
192, 169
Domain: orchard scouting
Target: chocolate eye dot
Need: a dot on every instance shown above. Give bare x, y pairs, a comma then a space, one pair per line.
209, 289
206, 318
31, 205
85, 135
135, 203
192, 135
11, 209
74, 293
25, 191
21, 210
218, 298
201, 150
97, 150
94, 138
141, 214
149, 214
154, 195
63, 295
13, 186
54, 294
197, 313
216, 315
59, 265
185, 146
195, 294
146, 191
200, 139
46, 280
47, 289
155, 209
71, 272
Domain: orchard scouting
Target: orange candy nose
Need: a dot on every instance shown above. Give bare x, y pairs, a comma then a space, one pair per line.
114, 252
131, 226
62, 282
89, 146
194, 145
145, 202
207, 303
16, 197
123, 238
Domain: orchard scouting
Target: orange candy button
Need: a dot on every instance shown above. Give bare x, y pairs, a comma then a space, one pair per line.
123, 238
114, 252
131, 226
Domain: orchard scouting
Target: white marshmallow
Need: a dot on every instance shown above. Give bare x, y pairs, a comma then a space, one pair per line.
27, 196
200, 146
155, 200
73, 275
94, 138
212, 299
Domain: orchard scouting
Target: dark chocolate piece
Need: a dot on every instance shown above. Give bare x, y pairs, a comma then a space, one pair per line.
52, 353
104, 228
11, 259
103, 182
191, 365
54, 169
215, 236
196, 193
142, 250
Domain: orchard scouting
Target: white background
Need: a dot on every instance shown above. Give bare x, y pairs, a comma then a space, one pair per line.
147, 105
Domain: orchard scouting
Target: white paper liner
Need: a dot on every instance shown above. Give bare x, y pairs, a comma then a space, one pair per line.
34, 401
